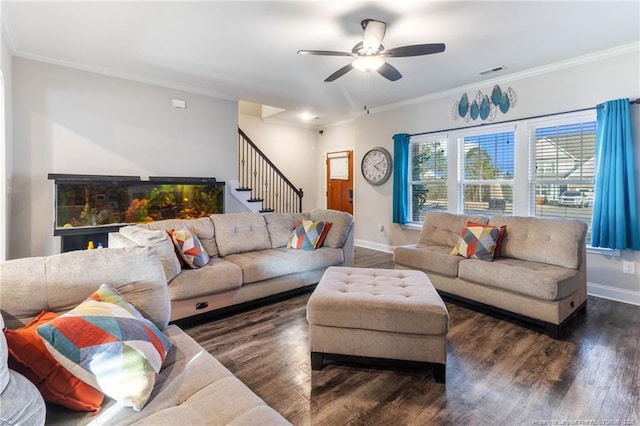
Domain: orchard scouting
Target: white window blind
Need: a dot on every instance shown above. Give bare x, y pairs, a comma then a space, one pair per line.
427, 175
562, 167
486, 168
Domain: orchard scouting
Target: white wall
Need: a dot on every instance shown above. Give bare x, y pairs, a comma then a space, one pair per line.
5, 136
567, 87
293, 150
70, 121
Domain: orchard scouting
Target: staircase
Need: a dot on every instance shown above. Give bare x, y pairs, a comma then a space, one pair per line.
261, 186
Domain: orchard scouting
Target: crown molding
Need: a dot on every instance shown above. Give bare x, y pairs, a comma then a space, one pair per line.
545, 69
132, 77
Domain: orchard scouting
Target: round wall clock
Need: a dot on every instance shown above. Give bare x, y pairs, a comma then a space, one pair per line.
376, 166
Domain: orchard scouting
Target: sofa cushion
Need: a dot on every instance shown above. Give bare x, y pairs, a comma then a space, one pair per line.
4, 353
477, 242
265, 264
553, 241
189, 248
240, 232
428, 257
29, 356
193, 388
109, 345
538, 280
341, 223
281, 225
216, 276
20, 401
160, 241
443, 229
203, 227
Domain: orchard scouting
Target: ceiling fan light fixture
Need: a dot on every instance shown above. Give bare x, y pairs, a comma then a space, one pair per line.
368, 63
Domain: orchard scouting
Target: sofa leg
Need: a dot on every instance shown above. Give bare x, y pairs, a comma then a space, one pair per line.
553, 330
439, 372
316, 360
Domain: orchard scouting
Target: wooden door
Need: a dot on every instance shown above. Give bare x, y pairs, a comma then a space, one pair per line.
340, 181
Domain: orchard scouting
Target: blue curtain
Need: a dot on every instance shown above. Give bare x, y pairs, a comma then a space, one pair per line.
615, 220
400, 176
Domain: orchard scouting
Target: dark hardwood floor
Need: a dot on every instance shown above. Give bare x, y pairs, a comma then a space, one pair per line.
499, 372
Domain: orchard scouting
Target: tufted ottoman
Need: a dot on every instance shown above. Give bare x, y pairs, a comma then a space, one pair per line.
385, 314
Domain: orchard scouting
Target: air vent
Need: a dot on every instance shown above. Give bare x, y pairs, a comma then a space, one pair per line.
496, 69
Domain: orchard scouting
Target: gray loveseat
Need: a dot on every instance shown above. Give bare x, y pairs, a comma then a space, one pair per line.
249, 257
540, 277
192, 386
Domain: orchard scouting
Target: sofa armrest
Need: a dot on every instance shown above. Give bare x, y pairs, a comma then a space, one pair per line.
132, 236
117, 240
348, 246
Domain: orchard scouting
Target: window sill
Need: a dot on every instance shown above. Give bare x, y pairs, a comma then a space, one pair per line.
603, 251
413, 226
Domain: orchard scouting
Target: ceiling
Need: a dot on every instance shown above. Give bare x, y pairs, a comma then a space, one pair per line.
246, 50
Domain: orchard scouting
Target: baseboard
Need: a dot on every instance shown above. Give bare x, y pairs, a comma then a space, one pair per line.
373, 246
617, 294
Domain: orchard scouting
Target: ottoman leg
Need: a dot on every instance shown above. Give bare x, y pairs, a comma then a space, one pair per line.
439, 372
316, 360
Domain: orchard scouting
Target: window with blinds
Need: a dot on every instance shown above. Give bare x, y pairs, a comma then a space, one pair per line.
486, 167
562, 168
428, 175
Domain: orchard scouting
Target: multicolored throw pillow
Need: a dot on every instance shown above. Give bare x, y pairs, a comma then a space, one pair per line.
108, 344
189, 247
29, 357
308, 235
503, 231
477, 242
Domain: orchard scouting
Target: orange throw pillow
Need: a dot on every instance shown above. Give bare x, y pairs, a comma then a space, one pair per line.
29, 357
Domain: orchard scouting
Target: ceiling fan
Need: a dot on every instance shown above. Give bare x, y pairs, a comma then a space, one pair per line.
369, 54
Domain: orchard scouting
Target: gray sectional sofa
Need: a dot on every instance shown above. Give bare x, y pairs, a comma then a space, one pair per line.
540, 277
249, 257
191, 388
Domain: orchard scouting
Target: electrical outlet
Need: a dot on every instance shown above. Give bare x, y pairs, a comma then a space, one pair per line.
628, 267
381, 229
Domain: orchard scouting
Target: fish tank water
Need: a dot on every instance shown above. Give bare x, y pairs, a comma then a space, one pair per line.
86, 204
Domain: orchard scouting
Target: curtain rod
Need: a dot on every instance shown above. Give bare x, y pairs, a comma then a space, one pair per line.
636, 101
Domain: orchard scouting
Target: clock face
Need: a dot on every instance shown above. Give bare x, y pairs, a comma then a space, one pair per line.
376, 166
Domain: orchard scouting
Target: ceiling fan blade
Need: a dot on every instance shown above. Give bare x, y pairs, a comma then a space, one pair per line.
323, 53
389, 72
415, 50
342, 71
373, 34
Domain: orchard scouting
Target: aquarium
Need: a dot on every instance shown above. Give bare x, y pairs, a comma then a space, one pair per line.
89, 201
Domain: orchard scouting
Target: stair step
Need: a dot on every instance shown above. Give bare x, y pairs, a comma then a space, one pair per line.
267, 210
255, 200
243, 189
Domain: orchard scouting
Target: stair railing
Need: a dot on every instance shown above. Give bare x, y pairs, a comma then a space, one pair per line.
266, 181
